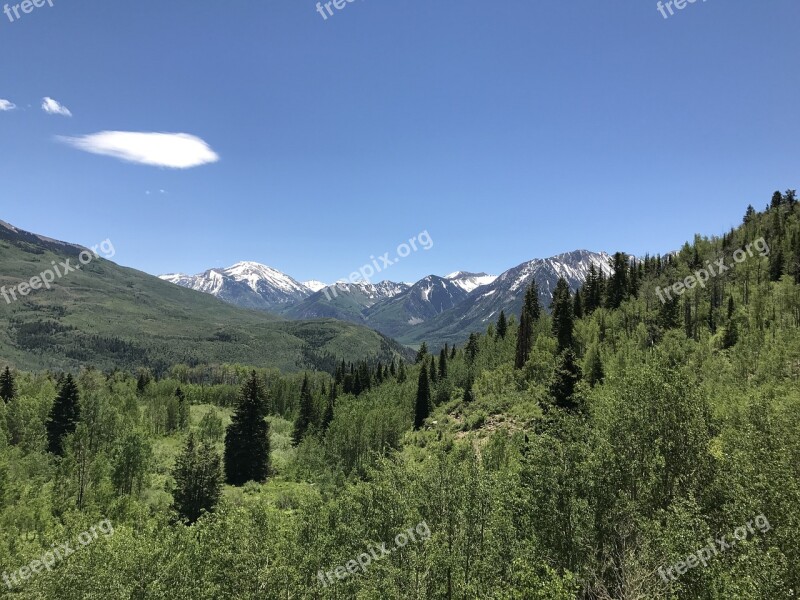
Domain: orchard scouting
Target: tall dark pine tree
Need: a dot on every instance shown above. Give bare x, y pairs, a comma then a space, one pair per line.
472, 347
531, 312
198, 481
421, 353
502, 325
247, 437
63, 416
305, 418
577, 305
8, 389
566, 378
563, 319
422, 407
618, 284
434, 374
443, 364
327, 417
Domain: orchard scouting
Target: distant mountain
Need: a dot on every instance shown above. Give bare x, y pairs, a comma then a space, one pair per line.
246, 284
506, 292
434, 309
109, 316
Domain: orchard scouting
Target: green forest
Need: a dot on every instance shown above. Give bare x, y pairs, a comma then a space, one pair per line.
618, 444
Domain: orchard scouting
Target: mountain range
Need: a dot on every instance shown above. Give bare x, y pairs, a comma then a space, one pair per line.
111, 316
434, 309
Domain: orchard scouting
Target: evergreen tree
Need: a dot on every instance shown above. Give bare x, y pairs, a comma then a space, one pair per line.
524, 334
469, 395
142, 381
434, 375
531, 312
502, 325
443, 364
422, 407
453, 352
198, 481
64, 416
327, 417
247, 443
8, 389
401, 372
618, 285
567, 375
305, 417
776, 265
563, 320
422, 353
472, 347
577, 305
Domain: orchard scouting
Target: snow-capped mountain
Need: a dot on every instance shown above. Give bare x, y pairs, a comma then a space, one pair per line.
435, 309
248, 284
470, 281
506, 292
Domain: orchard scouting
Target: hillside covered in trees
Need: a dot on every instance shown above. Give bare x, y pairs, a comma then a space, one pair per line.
593, 449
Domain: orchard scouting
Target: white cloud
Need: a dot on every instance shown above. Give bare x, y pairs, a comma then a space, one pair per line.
7, 105
171, 150
53, 107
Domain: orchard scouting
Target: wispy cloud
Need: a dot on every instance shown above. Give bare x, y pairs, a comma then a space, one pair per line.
171, 150
7, 105
53, 107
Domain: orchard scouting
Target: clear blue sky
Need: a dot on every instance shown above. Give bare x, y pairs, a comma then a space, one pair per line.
509, 130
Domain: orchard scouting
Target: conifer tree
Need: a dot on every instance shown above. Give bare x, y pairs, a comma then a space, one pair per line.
198, 481
443, 364
469, 395
453, 352
567, 375
502, 325
8, 389
247, 444
594, 367
401, 372
305, 417
64, 416
434, 375
422, 407
618, 285
327, 417
523, 340
422, 353
563, 319
577, 305
472, 347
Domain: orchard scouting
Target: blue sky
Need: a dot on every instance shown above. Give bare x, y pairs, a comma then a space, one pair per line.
509, 130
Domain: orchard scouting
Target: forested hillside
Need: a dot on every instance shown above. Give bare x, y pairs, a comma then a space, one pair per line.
616, 446
109, 316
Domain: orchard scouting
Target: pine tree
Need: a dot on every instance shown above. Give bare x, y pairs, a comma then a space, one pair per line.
502, 325
142, 381
247, 444
472, 347
422, 353
594, 367
566, 379
577, 305
776, 265
563, 320
305, 417
327, 417
469, 395
422, 407
443, 364
64, 416
523, 340
401, 372
453, 352
434, 376
198, 481
531, 312
8, 389
618, 285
